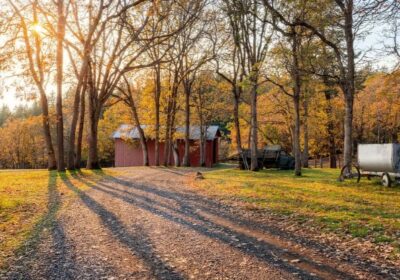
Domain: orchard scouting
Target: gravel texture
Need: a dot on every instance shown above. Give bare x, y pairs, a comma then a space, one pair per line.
149, 223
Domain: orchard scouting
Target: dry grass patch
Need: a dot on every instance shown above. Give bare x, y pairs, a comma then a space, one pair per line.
365, 210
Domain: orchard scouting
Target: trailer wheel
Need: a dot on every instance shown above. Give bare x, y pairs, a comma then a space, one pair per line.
352, 173
386, 181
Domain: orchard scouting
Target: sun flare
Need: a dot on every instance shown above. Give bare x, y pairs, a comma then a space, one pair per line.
38, 28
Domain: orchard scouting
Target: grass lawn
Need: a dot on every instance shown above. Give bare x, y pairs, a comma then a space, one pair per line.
362, 210
29, 201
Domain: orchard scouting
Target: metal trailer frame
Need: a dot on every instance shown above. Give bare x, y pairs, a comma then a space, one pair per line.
387, 178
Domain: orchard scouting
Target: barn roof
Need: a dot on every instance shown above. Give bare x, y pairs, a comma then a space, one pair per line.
130, 131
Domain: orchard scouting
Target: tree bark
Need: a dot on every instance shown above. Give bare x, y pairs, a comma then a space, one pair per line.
331, 131
186, 161
80, 129
175, 152
296, 137
253, 123
349, 86
143, 143
51, 157
93, 160
296, 99
203, 142
142, 137
348, 131
157, 115
306, 137
174, 143
71, 162
59, 63
236, 101
167, 144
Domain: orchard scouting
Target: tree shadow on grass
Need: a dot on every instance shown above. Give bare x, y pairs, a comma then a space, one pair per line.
27, 253
137, 241
216, 208
263, 250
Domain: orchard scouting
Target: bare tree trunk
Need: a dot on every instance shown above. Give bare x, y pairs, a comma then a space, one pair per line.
174, 143
202, 152
186, 161
331, 131
143, 143
167, 148
167, 143
71, 159
175, 152
296, 98
157, 108
348, 131
51, 157
142, 137
59, 63
254, 125
349, 86
296, 137
306, 138
71, 162
93, 160
203, 142
236, 120
80, 129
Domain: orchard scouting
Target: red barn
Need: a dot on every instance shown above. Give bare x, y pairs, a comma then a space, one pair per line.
128, 151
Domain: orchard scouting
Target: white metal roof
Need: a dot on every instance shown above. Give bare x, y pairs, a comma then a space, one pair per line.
130, 131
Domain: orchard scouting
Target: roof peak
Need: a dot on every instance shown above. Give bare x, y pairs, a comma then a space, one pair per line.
131, 131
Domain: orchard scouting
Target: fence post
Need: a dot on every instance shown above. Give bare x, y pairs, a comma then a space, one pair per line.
315, 162
321, 163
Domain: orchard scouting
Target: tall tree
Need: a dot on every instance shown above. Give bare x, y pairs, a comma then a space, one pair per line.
249, 19
231, 60
59, 63
283, 20
346, 18
37, 61
184, 62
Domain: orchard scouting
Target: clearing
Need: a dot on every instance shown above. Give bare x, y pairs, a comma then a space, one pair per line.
157, 223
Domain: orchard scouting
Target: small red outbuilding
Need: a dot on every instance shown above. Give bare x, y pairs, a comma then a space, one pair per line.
128, 151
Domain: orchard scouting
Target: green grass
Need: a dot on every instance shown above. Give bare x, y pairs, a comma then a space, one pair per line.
23, 201
365, 210
29, 202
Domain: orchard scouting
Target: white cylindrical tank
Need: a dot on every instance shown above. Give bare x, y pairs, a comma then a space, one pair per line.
379, 157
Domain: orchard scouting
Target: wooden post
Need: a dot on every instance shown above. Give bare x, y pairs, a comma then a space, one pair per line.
315, 161
321, 164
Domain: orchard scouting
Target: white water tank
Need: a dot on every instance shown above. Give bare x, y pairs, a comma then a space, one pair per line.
379, 157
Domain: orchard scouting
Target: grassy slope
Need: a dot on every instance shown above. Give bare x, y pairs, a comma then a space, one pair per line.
362, 210
29, 201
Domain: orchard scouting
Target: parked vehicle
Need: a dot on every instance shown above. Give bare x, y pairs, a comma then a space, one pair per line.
271, 156
375, 160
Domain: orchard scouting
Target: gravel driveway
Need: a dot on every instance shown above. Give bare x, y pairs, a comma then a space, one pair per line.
148, 223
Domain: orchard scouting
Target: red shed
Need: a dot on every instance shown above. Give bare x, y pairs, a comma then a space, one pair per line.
128, 151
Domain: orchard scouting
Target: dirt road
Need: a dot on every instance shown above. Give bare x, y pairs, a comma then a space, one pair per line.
147, 223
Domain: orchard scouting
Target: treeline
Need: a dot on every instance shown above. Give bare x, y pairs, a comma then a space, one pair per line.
275, 71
